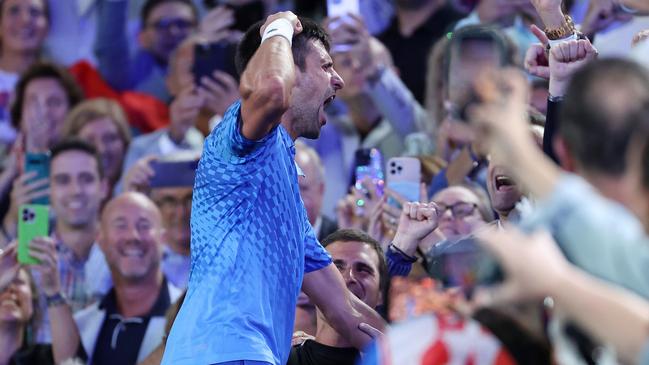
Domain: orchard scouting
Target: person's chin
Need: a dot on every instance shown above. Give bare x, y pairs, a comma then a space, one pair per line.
313, 134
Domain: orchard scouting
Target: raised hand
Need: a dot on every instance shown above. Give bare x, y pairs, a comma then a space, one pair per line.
565, 59
536, 60
417, 221
215, 25
23, 192
219, 92
138, 177
184, 111
532, 264
288, 15
44, 249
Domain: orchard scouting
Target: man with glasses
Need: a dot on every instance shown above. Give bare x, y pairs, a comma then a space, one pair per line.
164, 25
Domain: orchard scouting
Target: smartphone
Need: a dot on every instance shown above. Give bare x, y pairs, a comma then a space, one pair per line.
213, 56
170, 174
33, 221
465, 264
245, 15
404, 177
341, 9
39, 163
369, 164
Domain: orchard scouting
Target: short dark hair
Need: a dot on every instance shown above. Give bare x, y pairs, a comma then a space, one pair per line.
354, 235
76, 144
252, 39
44, 70
596, 134
150, 5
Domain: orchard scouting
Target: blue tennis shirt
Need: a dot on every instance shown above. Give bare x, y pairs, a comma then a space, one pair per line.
251, 244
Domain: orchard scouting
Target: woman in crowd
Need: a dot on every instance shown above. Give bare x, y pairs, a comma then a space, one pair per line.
23, 27
18, 305
103, 123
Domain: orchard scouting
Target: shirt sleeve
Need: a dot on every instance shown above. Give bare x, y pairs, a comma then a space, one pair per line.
315, 256
596, 234
239, 145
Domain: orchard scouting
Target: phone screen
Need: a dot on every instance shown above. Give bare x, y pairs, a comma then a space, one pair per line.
33, 221
39, 163
211, 57
173, 174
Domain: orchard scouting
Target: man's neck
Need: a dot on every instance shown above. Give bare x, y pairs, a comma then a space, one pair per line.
326, 335
137, 298
362, 112
11, 339
411, 19
79, 240
17, 62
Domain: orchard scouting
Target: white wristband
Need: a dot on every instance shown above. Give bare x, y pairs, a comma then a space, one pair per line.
554, 42
279, 27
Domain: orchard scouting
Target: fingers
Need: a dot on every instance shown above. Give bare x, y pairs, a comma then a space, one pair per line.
370, 331
423, 193
539, 34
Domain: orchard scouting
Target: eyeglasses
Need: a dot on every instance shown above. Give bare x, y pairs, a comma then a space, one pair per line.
165, 25
458, 210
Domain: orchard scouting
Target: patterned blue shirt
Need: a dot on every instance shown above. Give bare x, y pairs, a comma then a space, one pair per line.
251, 245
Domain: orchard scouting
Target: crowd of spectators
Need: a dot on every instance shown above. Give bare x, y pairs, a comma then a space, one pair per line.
528, 120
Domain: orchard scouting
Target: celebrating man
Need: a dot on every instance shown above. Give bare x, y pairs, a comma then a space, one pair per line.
251, 241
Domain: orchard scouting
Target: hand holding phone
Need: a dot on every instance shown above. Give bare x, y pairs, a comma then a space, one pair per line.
33, 221
37, 165
404, 178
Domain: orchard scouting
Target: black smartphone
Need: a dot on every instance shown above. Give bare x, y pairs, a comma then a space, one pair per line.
173, 174
213, 56
464, 263
39, 163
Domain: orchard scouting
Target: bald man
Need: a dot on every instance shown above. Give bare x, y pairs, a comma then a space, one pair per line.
128, 323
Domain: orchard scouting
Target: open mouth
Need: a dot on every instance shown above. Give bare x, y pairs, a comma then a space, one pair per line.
329, 100
504, 182
132, 252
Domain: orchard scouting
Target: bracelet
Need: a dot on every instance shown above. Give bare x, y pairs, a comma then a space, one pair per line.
55, 300
407, 257
563, 31
279, 27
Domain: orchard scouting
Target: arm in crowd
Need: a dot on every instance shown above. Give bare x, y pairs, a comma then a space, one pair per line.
397, 104
114, 59
342, 309
267, 81
596, 234
66, 340
537, 269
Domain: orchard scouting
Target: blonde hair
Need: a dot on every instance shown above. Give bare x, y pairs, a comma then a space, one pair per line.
93, 109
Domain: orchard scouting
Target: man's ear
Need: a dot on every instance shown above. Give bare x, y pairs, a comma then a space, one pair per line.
566, 160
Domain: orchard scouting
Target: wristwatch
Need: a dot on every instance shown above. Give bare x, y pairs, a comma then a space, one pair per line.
55, 300
565, 30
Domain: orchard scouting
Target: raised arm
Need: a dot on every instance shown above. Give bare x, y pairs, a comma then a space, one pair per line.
535, 268
111, 44
342, 309
65, 335
268, 79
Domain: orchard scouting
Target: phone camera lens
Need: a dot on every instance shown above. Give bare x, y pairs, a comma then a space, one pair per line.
393, 164
393, 172
399, 168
